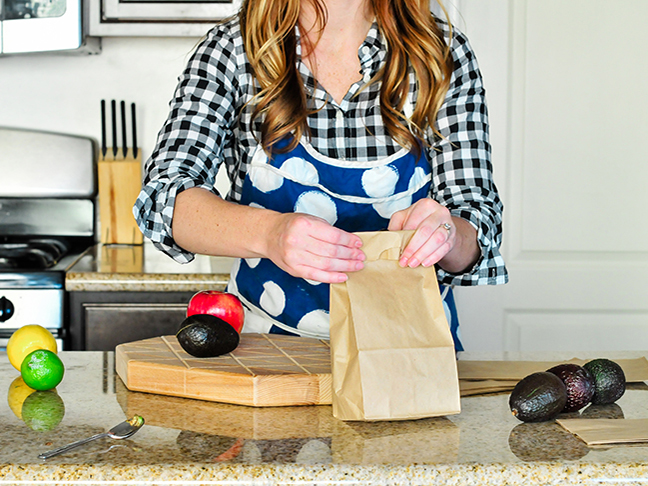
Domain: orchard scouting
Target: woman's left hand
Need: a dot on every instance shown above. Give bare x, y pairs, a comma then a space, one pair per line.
439, 237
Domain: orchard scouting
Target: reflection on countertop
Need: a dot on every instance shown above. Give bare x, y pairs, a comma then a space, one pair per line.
144, 268
194, 441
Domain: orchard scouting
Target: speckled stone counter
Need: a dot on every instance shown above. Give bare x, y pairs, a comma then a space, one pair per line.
195, 442
143, 268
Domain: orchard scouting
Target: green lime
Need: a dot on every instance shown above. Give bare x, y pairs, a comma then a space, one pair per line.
42, 369
43, 410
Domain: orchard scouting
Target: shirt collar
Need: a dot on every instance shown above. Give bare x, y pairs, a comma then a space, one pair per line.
372, 51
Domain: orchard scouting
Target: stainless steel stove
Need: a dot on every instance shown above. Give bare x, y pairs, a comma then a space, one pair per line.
47, 222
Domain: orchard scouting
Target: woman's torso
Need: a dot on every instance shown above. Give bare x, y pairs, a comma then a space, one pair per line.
351, 130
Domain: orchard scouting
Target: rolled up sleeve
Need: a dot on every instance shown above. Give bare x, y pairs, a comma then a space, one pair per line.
462, 171
190, 145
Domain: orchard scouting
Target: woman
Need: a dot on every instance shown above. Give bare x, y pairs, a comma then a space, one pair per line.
331, 117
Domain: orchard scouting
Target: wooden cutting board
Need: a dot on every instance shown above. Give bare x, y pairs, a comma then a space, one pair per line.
265, 370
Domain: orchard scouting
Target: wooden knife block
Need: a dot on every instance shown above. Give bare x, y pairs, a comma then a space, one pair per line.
122, 259
120, 182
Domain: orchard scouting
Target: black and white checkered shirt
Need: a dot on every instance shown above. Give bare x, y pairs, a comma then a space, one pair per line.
208, 126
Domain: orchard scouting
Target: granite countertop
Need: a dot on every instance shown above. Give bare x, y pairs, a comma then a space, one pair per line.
142, 268
196, 442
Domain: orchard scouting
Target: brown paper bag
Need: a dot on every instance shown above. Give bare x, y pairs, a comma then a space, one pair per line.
392, 354
600, 432
635, 369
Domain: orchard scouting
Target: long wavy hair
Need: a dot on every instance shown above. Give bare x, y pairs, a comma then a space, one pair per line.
414, 42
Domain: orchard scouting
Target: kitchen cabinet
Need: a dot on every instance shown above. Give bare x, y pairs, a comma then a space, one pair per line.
34, 26
99, 321
156, 18
123, 293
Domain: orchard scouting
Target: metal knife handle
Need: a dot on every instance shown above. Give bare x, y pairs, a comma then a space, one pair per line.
104, 147
134, 128
122, 105
113, 113
61, 450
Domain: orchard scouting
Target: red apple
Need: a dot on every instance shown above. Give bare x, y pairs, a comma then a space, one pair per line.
220, 304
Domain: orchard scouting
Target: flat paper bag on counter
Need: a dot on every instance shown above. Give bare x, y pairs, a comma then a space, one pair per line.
392, 353
600, 432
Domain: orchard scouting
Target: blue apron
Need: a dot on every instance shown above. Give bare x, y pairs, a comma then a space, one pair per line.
351, 195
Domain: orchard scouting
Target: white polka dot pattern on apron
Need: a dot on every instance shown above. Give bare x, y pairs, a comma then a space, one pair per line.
256, 323
380, 181
273, 299
316, 322
417, 179
316, 203
265, 179
252, 262
301, 169
389, 207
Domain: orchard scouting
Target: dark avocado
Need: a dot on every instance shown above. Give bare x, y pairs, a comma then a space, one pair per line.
207, 336
609, 380
579, 384
538, 397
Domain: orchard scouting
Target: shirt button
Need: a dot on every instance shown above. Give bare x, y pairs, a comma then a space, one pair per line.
339, 116
365, 50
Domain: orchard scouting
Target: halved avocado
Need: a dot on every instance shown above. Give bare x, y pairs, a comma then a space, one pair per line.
538, 397
207, 336
609, 380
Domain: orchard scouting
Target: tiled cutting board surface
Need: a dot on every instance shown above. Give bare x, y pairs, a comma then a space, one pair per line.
264, 370
276, 370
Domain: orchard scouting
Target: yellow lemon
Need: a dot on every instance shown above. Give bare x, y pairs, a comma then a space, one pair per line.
18, 392
27, 339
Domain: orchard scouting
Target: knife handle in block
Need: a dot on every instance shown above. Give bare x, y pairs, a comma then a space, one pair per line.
120, 154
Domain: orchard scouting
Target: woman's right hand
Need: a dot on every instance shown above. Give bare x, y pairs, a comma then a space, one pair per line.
305, 246
309, 247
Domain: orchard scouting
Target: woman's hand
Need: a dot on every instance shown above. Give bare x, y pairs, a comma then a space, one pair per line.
309, 247
439, 237
304, 246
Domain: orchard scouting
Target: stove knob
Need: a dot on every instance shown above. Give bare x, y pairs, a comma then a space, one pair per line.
6, 309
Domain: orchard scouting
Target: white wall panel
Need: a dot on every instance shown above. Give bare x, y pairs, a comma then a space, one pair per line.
576, 330
569, 119
584, 121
